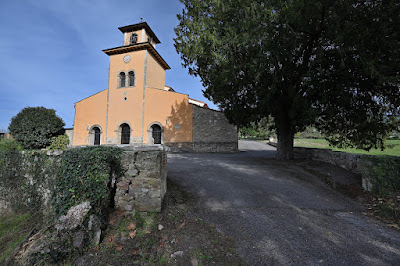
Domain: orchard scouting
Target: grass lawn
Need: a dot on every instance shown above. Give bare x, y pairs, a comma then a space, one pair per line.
392, 147
13, 230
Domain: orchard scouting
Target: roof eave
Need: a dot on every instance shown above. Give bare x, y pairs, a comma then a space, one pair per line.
136, 47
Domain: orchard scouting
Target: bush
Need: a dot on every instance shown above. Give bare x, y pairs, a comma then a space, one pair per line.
309, 133
9, 144
59, 143
33, 127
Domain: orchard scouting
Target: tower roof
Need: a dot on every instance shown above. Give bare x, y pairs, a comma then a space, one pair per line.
139, 26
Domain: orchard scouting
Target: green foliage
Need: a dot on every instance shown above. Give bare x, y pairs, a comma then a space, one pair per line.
59, 143
33, 127
383, 172
263, 129
85, 175
309, 133
9, 144
329, 64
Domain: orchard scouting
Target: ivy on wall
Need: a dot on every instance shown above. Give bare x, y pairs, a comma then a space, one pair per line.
84, 174
35, 181
383, 172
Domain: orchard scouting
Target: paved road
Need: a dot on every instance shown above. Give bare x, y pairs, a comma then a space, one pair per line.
278, 212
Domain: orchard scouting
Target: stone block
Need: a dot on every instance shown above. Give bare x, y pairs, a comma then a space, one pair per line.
124, 186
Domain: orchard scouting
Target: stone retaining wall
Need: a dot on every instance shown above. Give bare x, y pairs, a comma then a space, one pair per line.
142, 187
349, 161
30, 190
211, 133
210, 126
144, 183
202, 147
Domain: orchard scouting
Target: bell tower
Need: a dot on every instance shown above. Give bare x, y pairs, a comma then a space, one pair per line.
133, 68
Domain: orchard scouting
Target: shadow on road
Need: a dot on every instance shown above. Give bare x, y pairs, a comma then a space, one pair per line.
281, 212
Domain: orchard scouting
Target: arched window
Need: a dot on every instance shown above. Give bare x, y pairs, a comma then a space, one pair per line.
133, 38
122, 79
131, 78
156, 134
97, 134
125, 134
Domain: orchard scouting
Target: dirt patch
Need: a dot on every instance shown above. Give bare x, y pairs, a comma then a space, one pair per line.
174, 236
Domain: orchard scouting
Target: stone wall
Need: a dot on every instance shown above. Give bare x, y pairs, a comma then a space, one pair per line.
349, 161
144, 183
142, 187
26, 181
212, 132
202, 147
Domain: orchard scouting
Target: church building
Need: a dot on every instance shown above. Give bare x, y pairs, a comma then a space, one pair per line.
138, 108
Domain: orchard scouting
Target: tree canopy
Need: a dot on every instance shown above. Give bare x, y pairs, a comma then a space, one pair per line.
330, 64
33, 127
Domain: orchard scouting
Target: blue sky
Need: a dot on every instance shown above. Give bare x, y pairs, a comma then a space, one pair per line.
51, 51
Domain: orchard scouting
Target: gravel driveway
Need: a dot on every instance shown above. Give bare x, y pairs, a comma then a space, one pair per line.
279, 213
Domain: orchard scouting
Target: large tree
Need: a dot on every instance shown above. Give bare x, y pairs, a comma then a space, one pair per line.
33, 127
330, 64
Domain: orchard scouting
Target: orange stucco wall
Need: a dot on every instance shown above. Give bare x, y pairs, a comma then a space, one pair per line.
171, 110
89, 112
155, 73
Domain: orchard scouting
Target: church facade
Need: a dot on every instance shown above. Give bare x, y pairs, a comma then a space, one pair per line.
138, 108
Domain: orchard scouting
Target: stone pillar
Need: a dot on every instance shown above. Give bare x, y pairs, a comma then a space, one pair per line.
144, 183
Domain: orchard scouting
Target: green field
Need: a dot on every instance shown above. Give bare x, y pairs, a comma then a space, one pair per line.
393, 147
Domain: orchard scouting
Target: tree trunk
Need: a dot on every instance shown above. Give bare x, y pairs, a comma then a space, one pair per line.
285, 143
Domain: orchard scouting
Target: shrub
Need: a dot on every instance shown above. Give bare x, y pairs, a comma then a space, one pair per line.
33, 127
309, 133
9, 144
59, 143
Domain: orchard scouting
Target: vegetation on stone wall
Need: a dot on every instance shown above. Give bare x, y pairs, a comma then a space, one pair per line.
33, 127
384, 173
9, 144
84, 174
50, 183
25, 177
30, 179
59, 143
